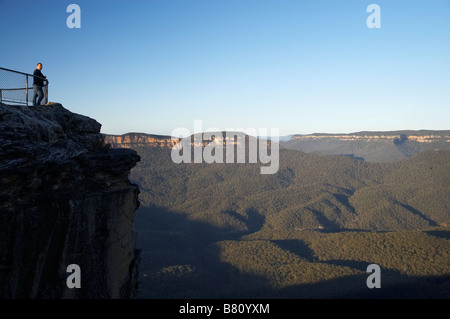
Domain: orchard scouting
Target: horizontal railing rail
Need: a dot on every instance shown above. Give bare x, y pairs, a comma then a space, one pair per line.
17, 87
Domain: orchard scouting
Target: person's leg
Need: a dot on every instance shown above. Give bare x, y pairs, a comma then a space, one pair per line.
35, 88
40, 93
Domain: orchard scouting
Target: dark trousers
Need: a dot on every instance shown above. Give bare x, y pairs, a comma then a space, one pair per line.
38, 93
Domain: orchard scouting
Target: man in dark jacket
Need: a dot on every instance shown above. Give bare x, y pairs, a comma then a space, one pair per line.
38, 83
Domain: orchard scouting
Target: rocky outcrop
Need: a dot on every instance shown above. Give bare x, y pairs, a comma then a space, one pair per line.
65, 198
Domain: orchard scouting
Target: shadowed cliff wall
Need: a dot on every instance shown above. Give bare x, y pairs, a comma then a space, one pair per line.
65, 198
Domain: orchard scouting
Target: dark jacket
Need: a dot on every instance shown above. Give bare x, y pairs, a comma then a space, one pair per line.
38, 77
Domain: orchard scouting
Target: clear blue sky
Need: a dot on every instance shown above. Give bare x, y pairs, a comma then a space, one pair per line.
299, 66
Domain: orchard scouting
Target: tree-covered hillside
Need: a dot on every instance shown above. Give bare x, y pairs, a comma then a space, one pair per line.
309, 230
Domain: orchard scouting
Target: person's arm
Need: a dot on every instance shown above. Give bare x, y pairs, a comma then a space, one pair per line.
44, 77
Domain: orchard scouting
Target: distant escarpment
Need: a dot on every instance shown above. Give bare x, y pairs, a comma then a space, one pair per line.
389, 146
218, 139
65, 199
134, 140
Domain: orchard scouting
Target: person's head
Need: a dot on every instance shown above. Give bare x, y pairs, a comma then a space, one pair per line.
39, 66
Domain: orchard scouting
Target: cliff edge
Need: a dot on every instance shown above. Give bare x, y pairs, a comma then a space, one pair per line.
65, 198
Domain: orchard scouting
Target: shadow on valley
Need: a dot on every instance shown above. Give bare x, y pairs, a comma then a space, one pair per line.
355, 157
184, 258
297, 247
179, 258
439, 233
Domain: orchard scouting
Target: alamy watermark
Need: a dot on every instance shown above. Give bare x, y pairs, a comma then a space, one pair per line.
74, 19
374, 280
374, 19
209, 146
74, 279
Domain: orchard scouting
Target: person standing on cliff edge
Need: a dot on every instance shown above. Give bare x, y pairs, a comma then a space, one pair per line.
38, 83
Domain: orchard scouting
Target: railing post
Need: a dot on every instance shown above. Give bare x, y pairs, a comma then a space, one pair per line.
26, 87
46, 93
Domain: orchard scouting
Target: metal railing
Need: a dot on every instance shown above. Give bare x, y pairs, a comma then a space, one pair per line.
17, 87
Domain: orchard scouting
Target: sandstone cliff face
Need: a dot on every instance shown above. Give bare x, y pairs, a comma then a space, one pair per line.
375, 138
136, 140
132, 140
389, 146
65, 198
